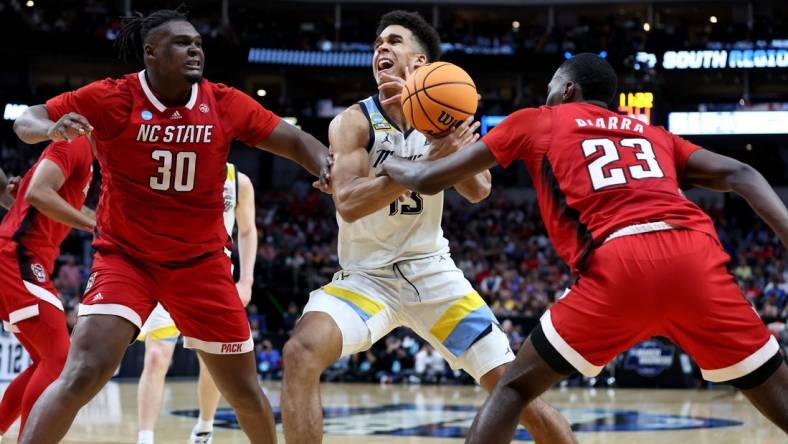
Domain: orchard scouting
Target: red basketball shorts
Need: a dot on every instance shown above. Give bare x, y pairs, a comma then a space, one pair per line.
201, 298
668, 283
24, 282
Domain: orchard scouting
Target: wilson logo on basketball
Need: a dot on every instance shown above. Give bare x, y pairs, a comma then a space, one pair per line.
446, 119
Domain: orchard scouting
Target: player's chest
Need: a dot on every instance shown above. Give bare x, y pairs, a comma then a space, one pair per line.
413, 146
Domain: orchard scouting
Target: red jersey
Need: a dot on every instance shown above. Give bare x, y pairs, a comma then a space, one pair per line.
163, 167
36, 233
596, 171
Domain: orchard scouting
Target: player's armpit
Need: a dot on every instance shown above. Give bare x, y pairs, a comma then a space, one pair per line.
432, 177
356, 194
712, 171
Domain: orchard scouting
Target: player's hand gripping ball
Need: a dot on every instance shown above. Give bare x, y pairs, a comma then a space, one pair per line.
438, 97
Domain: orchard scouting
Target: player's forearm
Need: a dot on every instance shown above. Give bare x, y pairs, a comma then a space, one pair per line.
247, 254
748, 183
434, 176
33, 125
6, 201
310, 154
49, 203
363, 196
475, 189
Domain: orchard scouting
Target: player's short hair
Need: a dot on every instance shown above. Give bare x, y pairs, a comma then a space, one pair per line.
595, 75
423, 32
136, 27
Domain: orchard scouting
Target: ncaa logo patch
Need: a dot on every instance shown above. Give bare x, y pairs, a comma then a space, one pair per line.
91, 280
146, 115
39, 272
379, 123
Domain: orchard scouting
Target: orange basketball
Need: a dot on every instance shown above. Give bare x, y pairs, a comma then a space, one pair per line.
437, 97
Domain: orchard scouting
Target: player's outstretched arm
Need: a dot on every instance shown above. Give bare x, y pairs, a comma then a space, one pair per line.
34, 126
355, 193
712, 171
247, 237
299, 146
42, 193
433, 176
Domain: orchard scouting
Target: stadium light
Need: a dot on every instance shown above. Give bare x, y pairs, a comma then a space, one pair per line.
646, 27
261, 93
515, 25
713, 19
30, 3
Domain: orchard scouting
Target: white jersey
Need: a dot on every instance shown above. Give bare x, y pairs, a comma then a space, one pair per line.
403, 230
230, 198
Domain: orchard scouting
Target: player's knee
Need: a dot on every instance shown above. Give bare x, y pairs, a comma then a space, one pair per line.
156, 360
302, 354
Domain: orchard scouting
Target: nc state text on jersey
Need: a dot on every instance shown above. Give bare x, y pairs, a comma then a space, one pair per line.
175, 133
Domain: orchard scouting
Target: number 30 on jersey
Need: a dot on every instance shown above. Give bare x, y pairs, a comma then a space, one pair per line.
610, 153
185, 167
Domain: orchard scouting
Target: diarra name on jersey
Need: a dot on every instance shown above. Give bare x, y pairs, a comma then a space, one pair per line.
175, 133
612, 123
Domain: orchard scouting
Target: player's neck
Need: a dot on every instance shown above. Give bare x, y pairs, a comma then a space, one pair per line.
170, 92
394, 112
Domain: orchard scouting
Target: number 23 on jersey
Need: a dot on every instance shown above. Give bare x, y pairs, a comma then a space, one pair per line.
602, 178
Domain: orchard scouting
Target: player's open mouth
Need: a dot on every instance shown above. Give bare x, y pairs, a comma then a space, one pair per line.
385, 65
193, 65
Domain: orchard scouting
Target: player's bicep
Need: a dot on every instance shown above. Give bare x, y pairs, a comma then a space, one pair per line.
706, 169
47, 176
348, 137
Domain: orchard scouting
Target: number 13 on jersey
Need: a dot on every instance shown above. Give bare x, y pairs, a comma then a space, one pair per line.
610, 153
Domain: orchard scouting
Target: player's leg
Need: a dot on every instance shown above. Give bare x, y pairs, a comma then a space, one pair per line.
465, 332
771, 396
337, 322
208, 396
316, 342
526, 378
236, 378
712, 321
90, 364
543, 421
150, 391
11, 404
203, 301
47, 336
115, 304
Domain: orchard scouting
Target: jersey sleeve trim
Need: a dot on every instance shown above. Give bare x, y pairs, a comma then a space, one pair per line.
365, 111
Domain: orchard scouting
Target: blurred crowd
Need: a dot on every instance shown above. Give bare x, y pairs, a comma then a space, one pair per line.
619, 30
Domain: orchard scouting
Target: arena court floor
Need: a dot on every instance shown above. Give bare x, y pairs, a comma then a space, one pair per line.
373, 414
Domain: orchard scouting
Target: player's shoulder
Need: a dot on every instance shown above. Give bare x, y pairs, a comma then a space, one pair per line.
219, 90
351, 126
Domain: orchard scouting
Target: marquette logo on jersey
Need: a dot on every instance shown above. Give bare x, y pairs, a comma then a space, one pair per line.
38, 272
379, 123
384, 154
228, 201
175, 133
454, 421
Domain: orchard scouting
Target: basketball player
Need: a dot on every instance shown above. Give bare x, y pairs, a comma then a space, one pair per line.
52, 192
608, 191
162, 137
396, 265
160, 333
4, 202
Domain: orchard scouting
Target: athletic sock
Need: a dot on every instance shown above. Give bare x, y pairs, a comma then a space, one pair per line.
145, 437
203, 426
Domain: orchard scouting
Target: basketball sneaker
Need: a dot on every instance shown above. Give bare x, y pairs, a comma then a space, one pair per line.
200, 437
